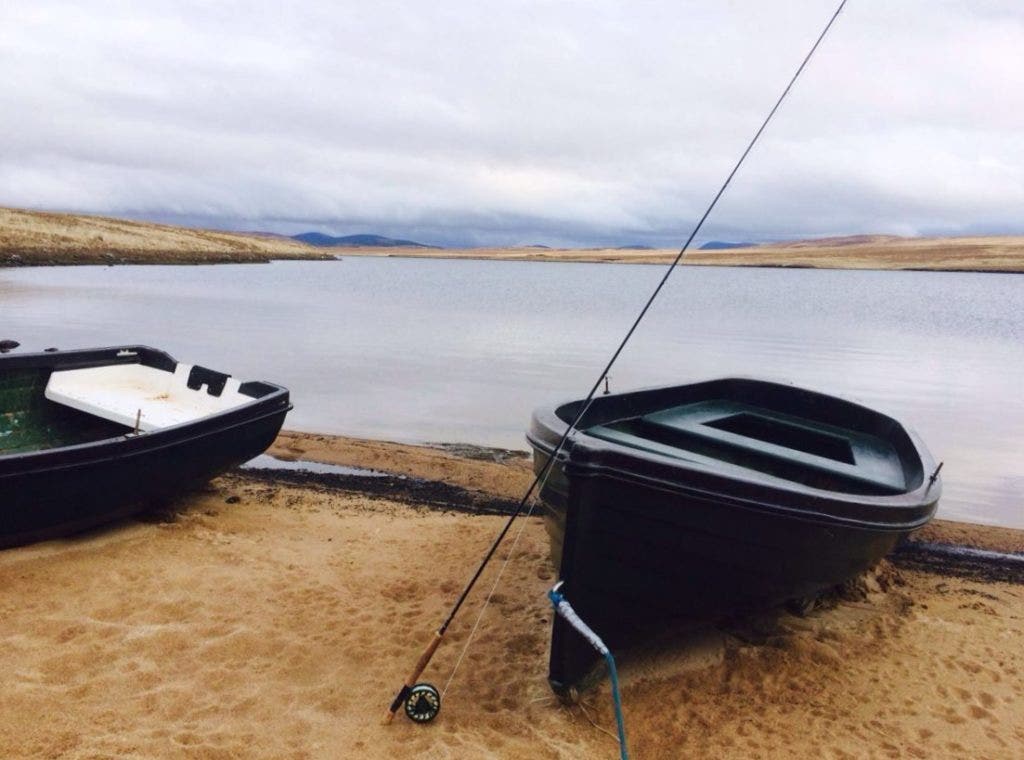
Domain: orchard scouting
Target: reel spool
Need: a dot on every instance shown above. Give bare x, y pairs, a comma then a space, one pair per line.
423, 703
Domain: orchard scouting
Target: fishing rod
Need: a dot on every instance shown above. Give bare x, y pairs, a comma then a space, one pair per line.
422, 701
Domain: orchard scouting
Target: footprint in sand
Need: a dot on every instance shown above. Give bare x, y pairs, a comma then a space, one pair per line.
978, 713
951, 716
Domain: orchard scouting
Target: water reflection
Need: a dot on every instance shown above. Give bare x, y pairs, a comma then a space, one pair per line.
421, 350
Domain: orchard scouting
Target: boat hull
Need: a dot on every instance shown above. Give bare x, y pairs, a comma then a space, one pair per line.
641, 544
60, 491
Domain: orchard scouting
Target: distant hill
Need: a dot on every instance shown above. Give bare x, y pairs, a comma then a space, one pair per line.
51, 238
721, 245
635, 248
372, 241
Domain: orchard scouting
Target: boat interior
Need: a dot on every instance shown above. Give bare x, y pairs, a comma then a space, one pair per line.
146, 398
811, 452
30, 422
44, 408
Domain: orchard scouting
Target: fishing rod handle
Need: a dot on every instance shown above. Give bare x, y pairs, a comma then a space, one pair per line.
421, 665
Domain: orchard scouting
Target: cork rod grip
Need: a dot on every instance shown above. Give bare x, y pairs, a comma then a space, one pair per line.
421, 665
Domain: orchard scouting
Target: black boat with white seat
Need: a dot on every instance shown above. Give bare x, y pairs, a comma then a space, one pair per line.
91, 435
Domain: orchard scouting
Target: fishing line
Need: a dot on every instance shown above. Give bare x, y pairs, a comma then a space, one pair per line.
541, 477
487, 599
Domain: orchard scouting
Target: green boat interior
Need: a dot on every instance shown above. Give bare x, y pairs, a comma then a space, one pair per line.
30, 422
713, 432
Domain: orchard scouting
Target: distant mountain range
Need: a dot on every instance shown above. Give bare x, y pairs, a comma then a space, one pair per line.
720, 245
322, 240
376, 241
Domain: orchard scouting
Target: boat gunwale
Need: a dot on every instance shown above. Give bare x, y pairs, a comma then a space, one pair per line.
731, 500
755, 478
586, 455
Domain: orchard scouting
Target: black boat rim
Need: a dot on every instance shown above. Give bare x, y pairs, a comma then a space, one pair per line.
590, 456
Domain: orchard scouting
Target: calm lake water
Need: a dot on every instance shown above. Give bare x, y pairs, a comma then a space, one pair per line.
461, 351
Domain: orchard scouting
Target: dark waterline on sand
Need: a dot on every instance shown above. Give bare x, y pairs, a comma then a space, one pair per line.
445, 350
268, 462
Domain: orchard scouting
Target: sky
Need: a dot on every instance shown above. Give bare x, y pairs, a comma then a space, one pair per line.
458, 122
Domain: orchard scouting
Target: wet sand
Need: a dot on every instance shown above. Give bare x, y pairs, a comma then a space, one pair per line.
269, 619
498, 472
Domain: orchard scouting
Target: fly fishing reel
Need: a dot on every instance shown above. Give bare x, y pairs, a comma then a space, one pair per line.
423, 703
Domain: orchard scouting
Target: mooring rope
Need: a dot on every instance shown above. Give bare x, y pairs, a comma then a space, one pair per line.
541, 478
562, 607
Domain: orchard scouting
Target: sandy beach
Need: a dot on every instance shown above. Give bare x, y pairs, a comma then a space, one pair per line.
266, 618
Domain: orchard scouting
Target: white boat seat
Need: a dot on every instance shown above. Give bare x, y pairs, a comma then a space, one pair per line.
124, 393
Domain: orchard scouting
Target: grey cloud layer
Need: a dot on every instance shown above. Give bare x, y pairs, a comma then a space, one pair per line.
517, 122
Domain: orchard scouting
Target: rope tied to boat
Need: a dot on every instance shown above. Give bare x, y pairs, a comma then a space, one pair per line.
540, 479
563, 608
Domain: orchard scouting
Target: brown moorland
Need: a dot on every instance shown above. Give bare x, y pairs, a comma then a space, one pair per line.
974, 254
40, 238
47, 238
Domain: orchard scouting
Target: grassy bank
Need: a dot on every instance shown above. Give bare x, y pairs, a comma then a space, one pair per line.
36, 238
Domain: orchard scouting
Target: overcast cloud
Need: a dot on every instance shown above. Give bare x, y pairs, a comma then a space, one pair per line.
513, 122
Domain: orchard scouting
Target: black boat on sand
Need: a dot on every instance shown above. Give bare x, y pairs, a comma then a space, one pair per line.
93, 435
694, 501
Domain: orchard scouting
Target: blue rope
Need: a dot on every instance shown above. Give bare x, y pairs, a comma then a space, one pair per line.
563, 608
618, 704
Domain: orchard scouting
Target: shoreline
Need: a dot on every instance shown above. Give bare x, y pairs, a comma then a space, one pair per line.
505, 474
27, 259
265, 618
193, 258
40, 238
981, 254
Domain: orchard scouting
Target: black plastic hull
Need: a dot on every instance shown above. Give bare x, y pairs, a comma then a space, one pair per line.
640, 544
59, 491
